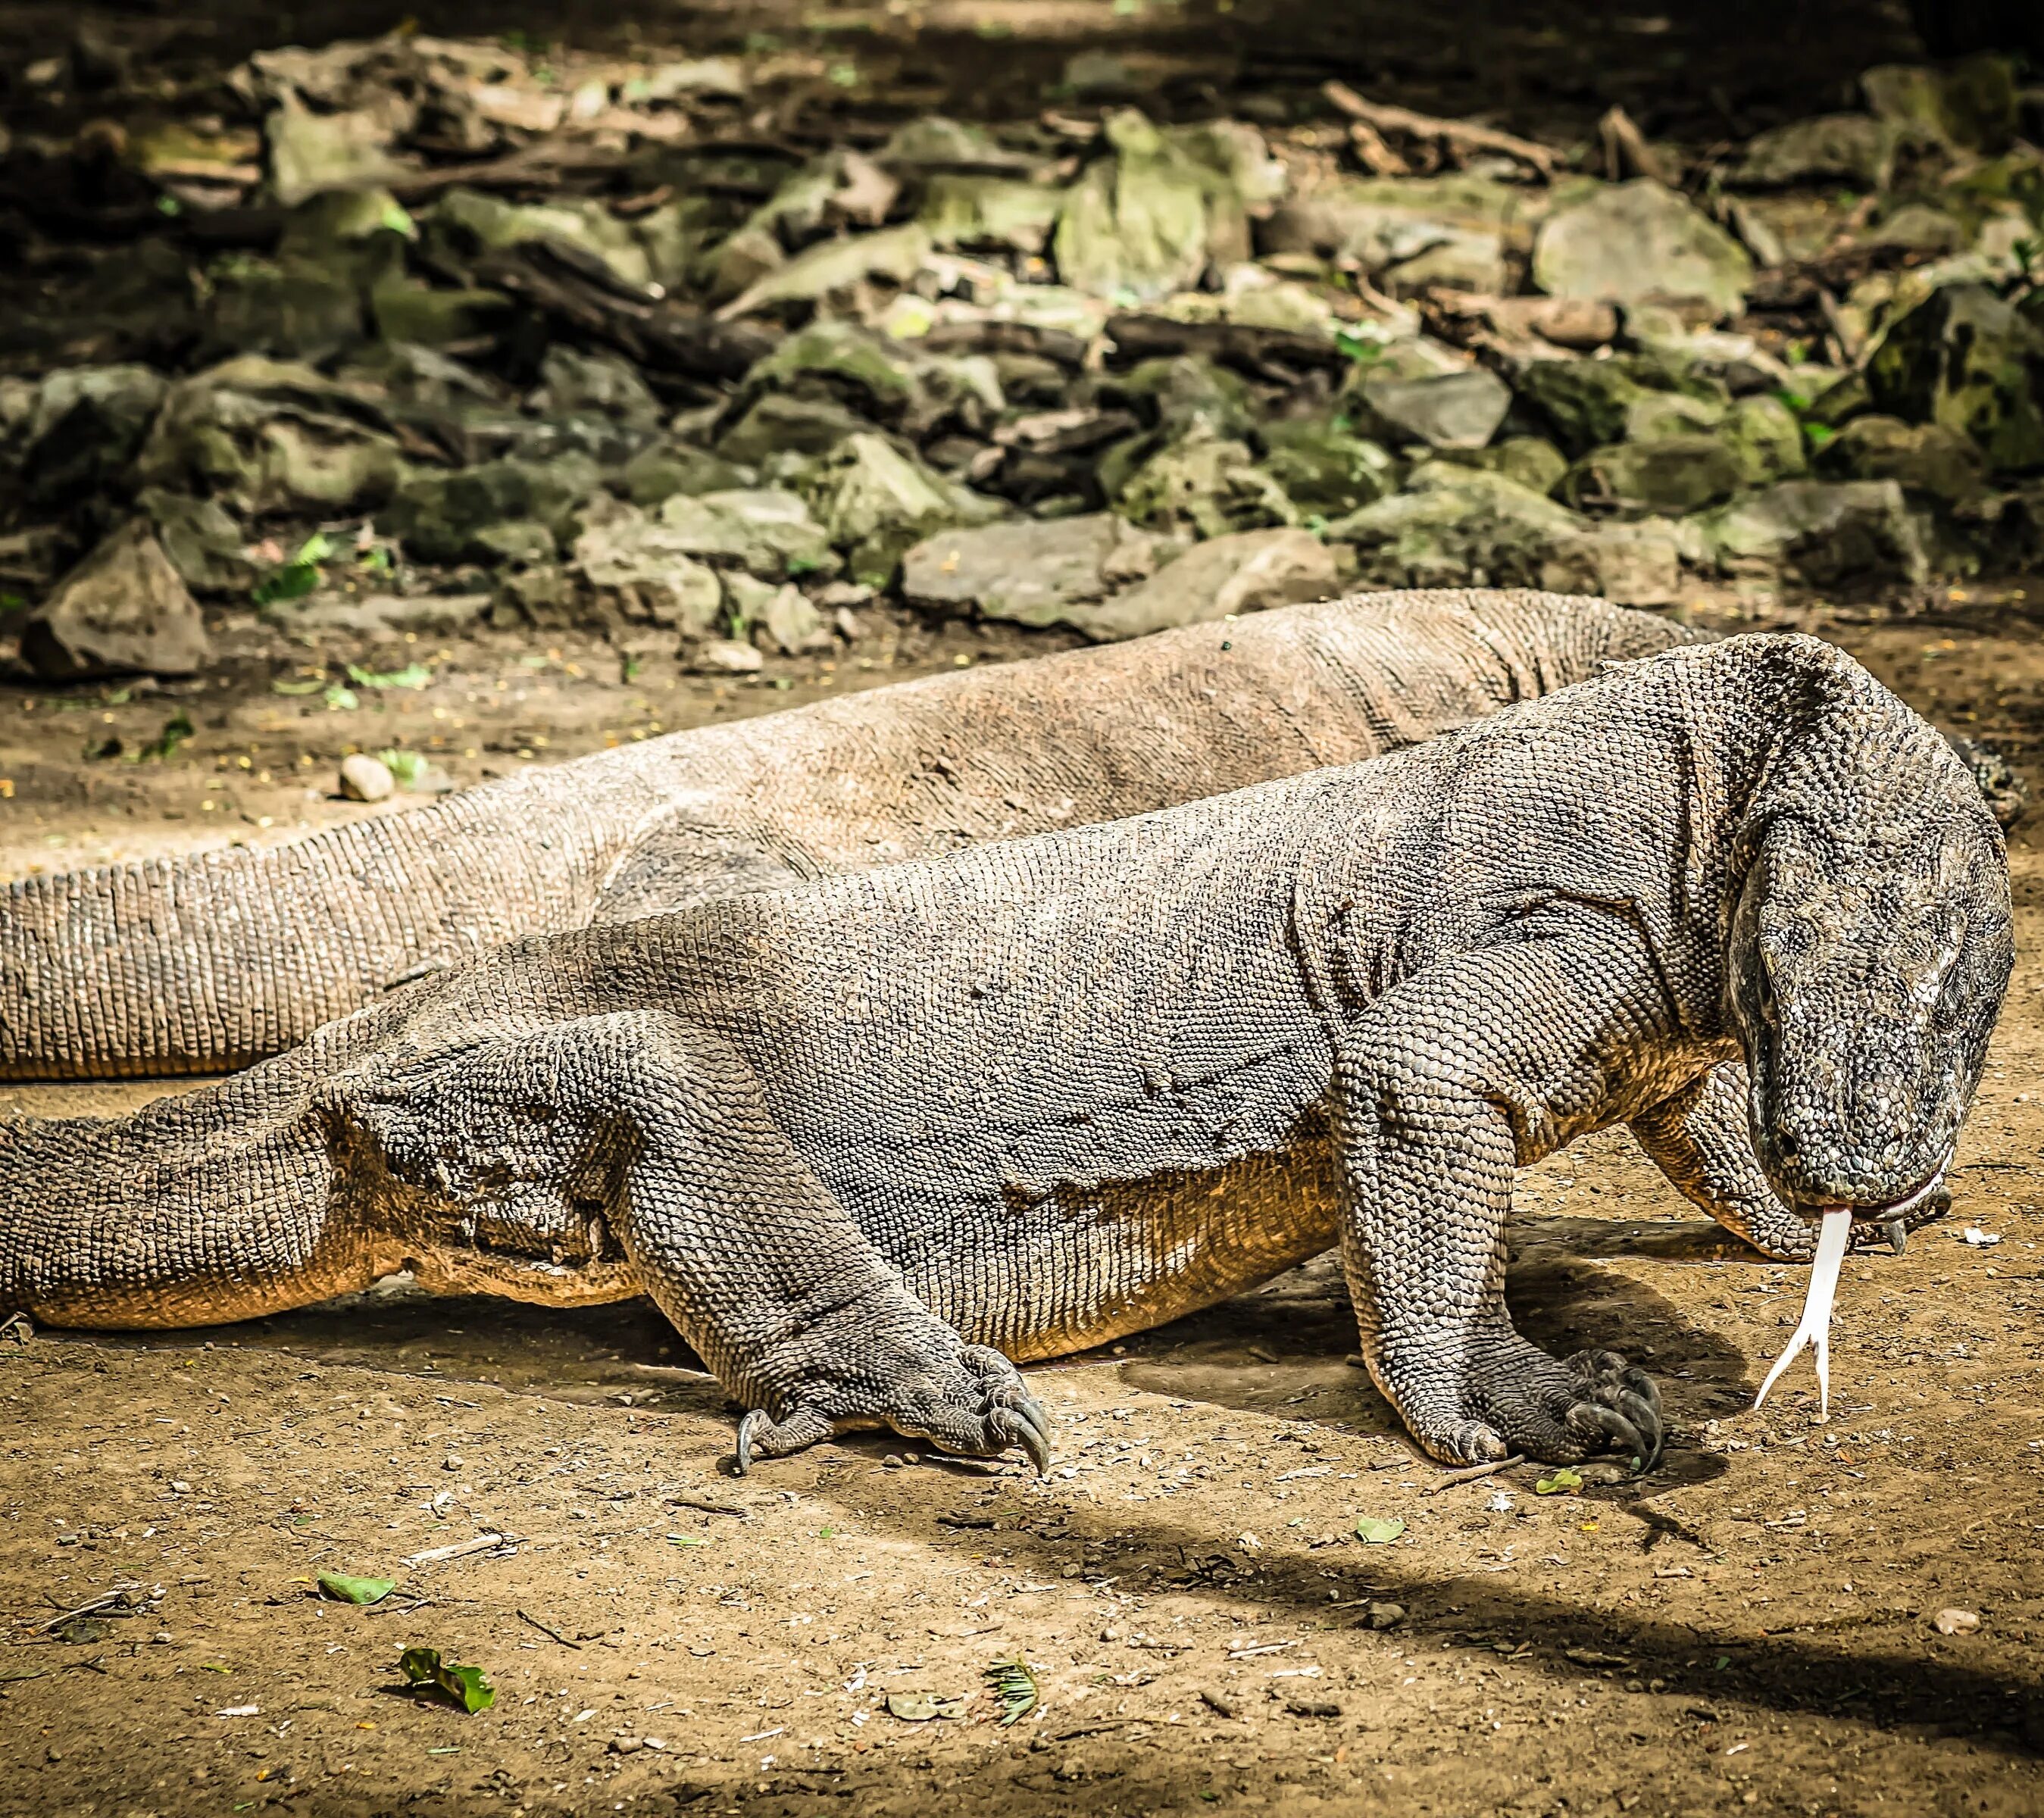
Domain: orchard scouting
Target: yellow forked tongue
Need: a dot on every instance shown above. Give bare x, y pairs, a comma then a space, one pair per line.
1814, 1327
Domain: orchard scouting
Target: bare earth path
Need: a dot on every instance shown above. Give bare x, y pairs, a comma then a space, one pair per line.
1750, 1630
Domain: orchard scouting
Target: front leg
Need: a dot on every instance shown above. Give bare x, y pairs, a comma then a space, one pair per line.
1701, 1140
1442, 1087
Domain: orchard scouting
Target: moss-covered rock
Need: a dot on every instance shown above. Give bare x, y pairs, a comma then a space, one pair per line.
1205, 485
1965, 359
1923, 458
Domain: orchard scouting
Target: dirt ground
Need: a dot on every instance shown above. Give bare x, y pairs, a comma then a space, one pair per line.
1751, 1628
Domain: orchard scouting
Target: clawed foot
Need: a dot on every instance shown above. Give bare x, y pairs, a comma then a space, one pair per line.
976, 1405
1560, 1412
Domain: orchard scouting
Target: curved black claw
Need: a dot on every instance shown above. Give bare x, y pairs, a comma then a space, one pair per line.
1619, 1404
749, 1429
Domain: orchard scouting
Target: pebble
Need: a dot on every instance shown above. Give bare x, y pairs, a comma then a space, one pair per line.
364, 779
726, 656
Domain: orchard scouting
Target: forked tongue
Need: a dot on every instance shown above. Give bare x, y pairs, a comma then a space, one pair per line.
1814, 1327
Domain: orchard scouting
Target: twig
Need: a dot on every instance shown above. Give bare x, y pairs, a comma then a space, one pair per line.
1373, 153
527, 1616
120, 1595
1460, 135
709, 1508
670, 1373
461, 1549
1626, 152
1471, 1473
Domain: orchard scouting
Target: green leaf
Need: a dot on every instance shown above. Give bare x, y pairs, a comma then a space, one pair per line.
312, 687
12, 603
395, 219
170, 206
411, 675
1379, 1531
1563, 1481
340, 700
1817, 435
1362, 350
406, 767
463, 1686
177, 729
1015, 1689
343, 1589
686, 1540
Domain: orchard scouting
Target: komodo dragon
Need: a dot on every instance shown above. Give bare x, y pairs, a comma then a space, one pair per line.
200, 965
859, 1138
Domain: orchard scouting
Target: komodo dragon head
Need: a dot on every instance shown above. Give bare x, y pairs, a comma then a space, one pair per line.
1869, 949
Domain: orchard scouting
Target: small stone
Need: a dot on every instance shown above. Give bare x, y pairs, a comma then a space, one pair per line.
364, 779
725, 656
1381, 1615
1956, 1622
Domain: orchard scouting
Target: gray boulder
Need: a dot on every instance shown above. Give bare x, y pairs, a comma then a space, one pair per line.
121, 611
1830, 148
272, 437
1670, 474
1454, 410
1640, 243
83, 427
647, 573
1820, 534
1247, 572
1923, 458
875, 503
1030, 572
439, 517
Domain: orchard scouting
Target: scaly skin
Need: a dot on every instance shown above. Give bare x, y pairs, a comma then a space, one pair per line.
201, 965
868, 1139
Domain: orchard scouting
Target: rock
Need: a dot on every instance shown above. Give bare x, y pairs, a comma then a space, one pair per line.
1456, 410
1327, 471
364, 779
1382, 1616
778, 425
876, 502
659, 472
439, 515
1409, 231
517, 542
424, 316
1830, 148
311, 152
646, 572
370, 617
203, 544
1764, 434
1822, 534
977, 213
1205, 485
121, 611
1457, 527
1974, 104
83, 427
1246, 571
1032, 573
1533, 462
1639, 243
291, 309
1966, 359
792, 623
874, 376
725, 656
466, 222
1181, 395
272, 437
1671, 473
573, 383
767, 533
1923, 458
1588, 403
1956, 1622
897, 254
1638, 564
1917, 228
1148, 219
357, 236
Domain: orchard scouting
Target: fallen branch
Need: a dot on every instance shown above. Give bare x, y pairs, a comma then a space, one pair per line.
1460, 136
1470, 1473
574, 288
461, 1549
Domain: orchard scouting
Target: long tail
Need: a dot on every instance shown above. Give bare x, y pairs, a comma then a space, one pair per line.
202, 964
222, 1204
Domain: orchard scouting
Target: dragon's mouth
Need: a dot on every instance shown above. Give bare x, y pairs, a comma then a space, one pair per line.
1833, 1237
